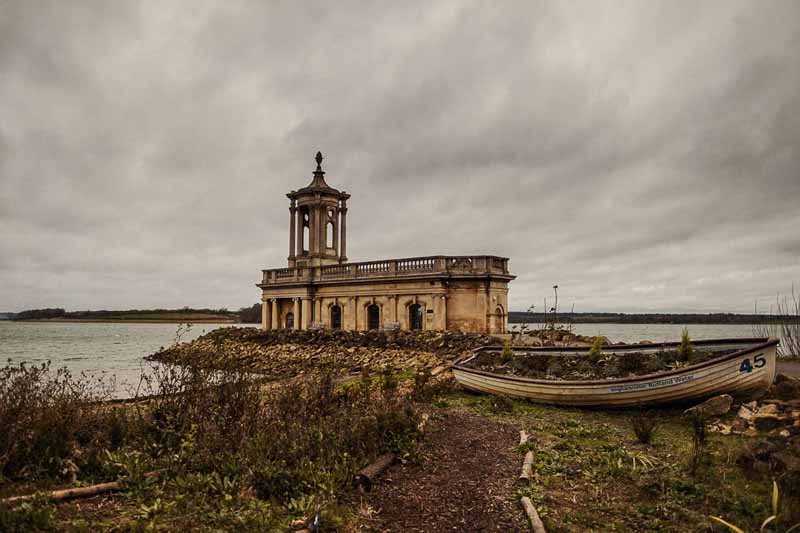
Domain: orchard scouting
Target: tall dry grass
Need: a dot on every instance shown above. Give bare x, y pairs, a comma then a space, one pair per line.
785, 324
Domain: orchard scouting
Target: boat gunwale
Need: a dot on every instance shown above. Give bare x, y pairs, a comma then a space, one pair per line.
764, 343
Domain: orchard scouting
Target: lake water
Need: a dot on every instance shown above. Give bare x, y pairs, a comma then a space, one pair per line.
105, 350
100, 350
630, 333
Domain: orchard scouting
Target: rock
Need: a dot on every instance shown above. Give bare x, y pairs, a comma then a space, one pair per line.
769, 409
766, 422
716, 406
745, 413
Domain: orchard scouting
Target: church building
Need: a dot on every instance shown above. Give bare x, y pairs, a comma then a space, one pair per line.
321, 289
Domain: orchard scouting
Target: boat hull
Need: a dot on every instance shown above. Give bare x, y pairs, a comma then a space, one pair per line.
745, 372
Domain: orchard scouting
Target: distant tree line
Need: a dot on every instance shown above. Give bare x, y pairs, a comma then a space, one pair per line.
58, 312
517, 317
250, 315
36, 314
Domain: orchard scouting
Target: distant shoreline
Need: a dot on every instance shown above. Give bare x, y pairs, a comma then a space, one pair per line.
129, 320
717, 319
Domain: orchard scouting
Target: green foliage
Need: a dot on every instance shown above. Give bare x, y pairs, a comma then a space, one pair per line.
33, 515
229, 453
769, 521
593, 475
644, 426
507, 354
685, 350
499, 404
43, 414
596, 351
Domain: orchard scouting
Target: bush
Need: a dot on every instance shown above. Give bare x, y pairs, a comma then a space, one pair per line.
34, 515
644, 426
596, 351
685, 350
507, 354
43, 414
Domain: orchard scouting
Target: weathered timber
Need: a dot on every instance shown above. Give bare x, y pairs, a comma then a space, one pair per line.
527, 467
365, 478
536, 523
74, 493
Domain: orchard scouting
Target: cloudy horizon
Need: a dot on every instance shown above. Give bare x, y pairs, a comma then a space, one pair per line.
643, 156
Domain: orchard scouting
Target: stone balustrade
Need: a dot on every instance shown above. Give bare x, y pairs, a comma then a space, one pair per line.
400, 268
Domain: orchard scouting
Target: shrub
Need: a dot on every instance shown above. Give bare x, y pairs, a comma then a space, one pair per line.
685, 350
507, 354
596, 351
42, 414
501, 404
644, 426
34, 515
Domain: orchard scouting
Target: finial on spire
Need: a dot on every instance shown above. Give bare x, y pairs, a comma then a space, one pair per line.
319, 161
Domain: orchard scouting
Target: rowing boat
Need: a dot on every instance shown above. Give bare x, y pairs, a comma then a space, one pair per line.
744, 368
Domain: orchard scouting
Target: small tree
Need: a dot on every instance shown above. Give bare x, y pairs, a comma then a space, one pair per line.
507, 354
685, 350
596, 351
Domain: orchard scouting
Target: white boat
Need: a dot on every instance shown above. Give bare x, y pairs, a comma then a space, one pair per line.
745, 367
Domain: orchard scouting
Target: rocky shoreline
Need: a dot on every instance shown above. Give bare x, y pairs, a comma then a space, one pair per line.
286, 353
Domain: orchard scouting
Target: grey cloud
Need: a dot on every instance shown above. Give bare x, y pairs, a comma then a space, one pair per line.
642, 157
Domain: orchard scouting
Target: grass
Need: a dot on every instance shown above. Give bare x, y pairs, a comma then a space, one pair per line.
235, 454
230, 452
592, 473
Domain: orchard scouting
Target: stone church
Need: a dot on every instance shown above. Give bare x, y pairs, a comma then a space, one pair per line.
320, 289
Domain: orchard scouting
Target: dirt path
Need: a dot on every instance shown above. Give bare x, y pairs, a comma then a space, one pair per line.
463, 484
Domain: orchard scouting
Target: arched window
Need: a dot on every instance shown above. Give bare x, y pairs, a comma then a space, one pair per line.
415, 314
373, 317
336, 317
500, 323
289, 320
329, 235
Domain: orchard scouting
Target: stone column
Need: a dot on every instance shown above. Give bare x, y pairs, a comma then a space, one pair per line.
292, 228
296, 312
343, 237
274, 313
318, 311
443, 308
322, 219
392, 310
335, 232
299, 231
305, 313
265, 315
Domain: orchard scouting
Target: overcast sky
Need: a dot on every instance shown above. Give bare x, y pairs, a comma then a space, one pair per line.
642, 155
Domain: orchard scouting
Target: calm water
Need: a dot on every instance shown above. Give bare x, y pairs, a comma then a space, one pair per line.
106, 350
99, 350
657, 332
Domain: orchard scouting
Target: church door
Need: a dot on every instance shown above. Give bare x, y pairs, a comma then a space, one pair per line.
415, 317
289, 320
336, 317
373, 317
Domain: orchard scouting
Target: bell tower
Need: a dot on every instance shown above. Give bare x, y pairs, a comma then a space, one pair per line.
317, 223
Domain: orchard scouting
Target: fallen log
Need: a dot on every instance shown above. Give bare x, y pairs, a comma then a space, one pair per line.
67, 494
365, 478
527, 467
536, 523
75, 493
